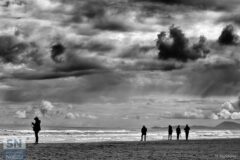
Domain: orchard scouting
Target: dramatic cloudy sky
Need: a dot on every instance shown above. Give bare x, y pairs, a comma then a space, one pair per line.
96, 63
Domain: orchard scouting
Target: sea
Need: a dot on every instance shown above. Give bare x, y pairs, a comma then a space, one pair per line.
111, 135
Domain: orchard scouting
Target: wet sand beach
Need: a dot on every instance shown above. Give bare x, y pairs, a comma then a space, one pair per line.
218, 149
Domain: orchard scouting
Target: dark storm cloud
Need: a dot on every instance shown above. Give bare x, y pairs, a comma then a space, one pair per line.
218, 74
112, 22
228, 36
111, 25
72, 66
51, 74
230, 18
35, 64
136, 51
94, 9
215, 75
73, 90
154, 65
96, 46
96, 27
102, 15
176, 46
98, 15
74, 62
200, 4
16, 51
87, 9
144, 58
57, 50
11, 48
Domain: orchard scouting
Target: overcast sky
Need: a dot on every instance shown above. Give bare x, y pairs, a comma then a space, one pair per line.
108, 71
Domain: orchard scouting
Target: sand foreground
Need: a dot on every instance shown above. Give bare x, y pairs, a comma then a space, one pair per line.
227, 149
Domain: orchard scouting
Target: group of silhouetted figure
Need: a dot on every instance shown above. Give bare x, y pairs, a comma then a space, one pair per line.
178, 131
37, 127
170, 132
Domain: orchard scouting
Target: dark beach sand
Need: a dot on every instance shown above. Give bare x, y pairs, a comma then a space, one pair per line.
227, 149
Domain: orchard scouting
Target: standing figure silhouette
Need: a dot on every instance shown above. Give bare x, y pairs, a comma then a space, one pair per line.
144, 133
36, 128
178, 130
187, 129
170, 130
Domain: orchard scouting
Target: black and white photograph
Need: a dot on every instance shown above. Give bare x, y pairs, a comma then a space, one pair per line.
119, 79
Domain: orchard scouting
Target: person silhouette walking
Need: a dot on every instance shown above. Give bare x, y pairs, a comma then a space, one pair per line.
178, 130
36, 128
144, 133
187, 129
170, 130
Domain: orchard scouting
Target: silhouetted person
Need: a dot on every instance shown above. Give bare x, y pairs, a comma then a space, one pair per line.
170, 130
178, 130
36, 128
144, 133
187, 129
